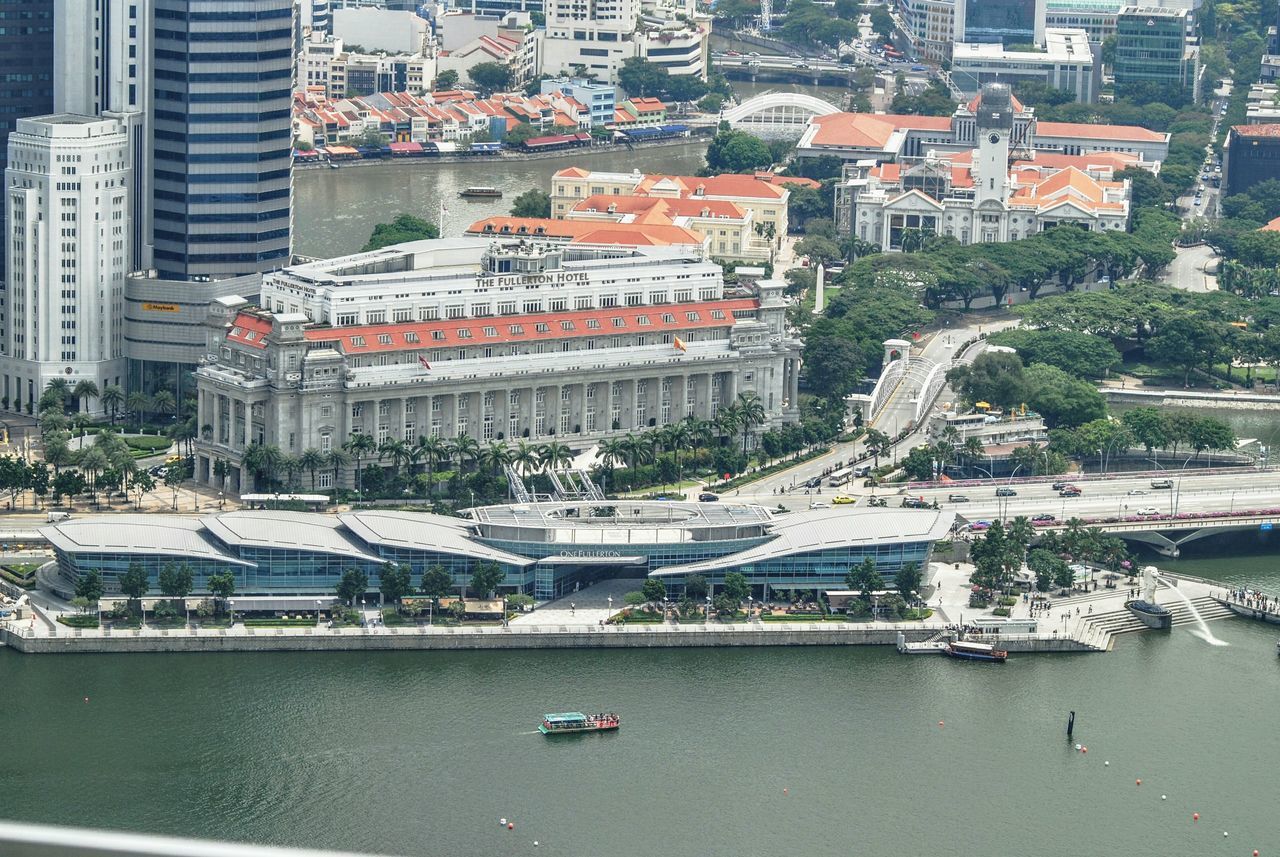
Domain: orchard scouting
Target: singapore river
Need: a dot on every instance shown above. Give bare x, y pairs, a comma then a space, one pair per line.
722, 752
335, 210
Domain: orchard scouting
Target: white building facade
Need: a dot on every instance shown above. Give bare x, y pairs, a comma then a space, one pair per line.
67, 193
1067, 62
501, 341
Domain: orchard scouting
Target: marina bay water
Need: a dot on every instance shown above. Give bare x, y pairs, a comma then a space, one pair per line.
721, 752
335, 210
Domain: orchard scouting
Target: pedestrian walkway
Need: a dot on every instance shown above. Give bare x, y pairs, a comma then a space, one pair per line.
588, 606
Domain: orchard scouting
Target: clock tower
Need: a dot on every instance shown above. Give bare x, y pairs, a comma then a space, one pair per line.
994, 126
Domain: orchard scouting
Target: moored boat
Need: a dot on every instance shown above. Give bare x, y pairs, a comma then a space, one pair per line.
575, 721
480, 192
975, 652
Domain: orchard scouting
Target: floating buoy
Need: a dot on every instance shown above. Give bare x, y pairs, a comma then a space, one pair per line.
941, 723
510, 826
535, 843
1164, 797
1255, 852
502, 822
1139, 782
1224, 833
1106, 764
86, 699
786, 791
1077, 747
1084, 749
1195, 816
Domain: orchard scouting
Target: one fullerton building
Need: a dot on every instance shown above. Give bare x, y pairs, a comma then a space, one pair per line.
502, 341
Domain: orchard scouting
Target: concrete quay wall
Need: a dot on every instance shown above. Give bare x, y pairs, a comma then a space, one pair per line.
1193, 399
389, 639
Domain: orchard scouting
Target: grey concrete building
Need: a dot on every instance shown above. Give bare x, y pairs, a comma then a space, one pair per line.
499, 341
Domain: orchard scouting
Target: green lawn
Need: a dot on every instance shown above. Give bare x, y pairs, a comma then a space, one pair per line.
84, 621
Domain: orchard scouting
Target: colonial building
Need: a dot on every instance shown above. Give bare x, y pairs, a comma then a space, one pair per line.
499, 340
977, 196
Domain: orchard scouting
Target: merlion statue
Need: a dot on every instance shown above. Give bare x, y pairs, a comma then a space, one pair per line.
1149, 577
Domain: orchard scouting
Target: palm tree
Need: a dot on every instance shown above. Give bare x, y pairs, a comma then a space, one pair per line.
54, 421
83, 392
358, 446
554, 455
337, 459
639, 451
55, 393
291, 466
750, 414
494, 456
611, 453
701, 433
112, 399
727, 421
525, 458
57, 453
430, 450
972, 451
264, 462
164, 403
678, 436
138, 404
92, 462
399, 451
464, 447
311, 460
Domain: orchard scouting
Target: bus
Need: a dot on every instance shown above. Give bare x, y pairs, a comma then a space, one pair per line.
840, 477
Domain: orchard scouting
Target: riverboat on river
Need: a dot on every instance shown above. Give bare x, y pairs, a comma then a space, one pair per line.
574, 721
480, 193
975, 652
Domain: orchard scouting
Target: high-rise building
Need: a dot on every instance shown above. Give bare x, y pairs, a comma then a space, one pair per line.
67, 198
102, 53
26, 72
1006, 22
1152, 48
223, 178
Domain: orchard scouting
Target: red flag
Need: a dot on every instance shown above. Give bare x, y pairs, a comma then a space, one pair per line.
423, 361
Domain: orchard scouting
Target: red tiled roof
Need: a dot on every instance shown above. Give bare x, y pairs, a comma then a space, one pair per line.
588, 231
250, 330
1256, 130
871, 130
1272, 226
528, 327
1088, 131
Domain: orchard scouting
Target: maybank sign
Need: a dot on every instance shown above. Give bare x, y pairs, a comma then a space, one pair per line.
150, 307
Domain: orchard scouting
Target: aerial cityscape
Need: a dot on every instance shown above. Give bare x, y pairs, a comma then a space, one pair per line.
696, 427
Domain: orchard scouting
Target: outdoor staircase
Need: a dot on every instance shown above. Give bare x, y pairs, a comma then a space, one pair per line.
1122, 621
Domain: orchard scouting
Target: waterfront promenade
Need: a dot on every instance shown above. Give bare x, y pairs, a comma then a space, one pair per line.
1081, 622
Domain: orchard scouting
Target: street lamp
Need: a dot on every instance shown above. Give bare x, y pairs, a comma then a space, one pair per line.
231, 606
610, 607
318, 603
708, 608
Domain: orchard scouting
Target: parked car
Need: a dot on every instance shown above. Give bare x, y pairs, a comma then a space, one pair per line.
814, 482
1161, 483
1006, 492
914, 503
818, 504
957, 498
1043, 518
1070, 491
842, 500
1058, 486
1148, 512
980, 525
708, 497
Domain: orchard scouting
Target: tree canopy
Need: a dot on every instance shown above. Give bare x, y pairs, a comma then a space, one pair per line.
406, 227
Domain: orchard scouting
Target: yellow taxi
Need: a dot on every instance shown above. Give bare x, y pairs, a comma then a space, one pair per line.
842, 500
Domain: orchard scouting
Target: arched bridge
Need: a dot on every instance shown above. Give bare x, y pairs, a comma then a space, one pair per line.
777, 114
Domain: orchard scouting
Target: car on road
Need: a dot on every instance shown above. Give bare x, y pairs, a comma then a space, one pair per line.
1006, 492
842, 500
1070, 491
1058, 486
1137, 492
915, 503
957, 498
1148, 512
814, 482
708, 497
1161, 483
1043, 518
980, 525
818, 504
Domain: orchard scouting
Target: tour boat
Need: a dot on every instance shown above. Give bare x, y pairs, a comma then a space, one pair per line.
975, 652
481, 192
575, 721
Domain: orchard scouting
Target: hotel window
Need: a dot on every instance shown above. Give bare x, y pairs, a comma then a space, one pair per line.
506, 308
642, 320
326, 443
479, 310
559, 304
357, 342
684, 296
347, 319
428, 313
657, 297
635, 299
533, 306
717, 314
516, 329
692, 316
618, 321
454, 311
383, 409
591, 345
582, 302
542, 327
326, 411
411, 336
490, 331
376, 316
402, 315
607, 301
706, 294
566, 325
384, 339
462, 354
464, 333
668, 318
357, 410
437, 335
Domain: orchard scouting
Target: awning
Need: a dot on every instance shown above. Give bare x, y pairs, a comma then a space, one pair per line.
308, 153
556, 140
444, 148
405, 148
486, 147
340, 150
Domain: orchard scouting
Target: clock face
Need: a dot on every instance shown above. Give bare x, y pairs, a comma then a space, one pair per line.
994, 138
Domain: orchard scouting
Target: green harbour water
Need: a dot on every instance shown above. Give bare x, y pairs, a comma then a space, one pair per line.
422, 753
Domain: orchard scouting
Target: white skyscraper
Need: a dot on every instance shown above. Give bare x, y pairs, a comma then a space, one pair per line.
67, 194
102, 67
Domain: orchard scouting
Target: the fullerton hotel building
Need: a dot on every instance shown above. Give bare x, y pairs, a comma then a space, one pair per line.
501, 340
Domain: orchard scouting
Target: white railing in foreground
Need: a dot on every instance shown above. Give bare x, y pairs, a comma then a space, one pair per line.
36, 840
